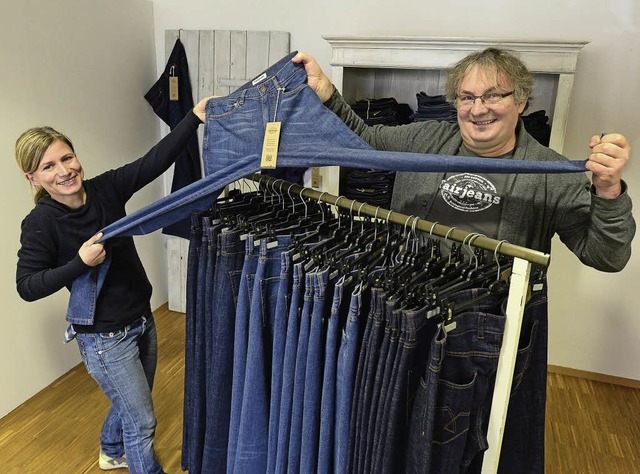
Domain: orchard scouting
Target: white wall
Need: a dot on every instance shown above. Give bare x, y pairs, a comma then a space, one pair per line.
82, 67
594, 324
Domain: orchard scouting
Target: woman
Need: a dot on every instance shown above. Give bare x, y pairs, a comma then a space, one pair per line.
59, 242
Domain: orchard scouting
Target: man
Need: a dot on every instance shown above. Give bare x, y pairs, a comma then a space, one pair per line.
490, 90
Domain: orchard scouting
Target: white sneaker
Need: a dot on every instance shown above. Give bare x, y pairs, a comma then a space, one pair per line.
107, 463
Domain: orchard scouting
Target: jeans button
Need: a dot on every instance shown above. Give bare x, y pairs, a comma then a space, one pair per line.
262, 88
111, 334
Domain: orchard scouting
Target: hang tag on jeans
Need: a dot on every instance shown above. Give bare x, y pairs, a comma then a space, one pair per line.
173, 88
270, 145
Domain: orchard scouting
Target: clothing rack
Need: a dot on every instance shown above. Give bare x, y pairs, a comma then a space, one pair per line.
523, 258
434, 228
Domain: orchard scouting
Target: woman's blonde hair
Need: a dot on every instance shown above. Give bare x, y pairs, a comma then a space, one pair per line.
493, 60
31, 147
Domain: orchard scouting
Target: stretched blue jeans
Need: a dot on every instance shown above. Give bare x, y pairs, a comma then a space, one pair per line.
311, 135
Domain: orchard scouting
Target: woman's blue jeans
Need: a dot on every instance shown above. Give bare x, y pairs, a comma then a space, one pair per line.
123, 363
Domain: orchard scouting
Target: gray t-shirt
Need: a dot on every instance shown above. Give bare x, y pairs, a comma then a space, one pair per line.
470, 201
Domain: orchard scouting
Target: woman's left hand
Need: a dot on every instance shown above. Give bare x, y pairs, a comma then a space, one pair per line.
200, 108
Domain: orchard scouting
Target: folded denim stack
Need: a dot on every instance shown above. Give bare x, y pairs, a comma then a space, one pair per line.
434, 107
371, 186
386, 111
374, 186
537, 124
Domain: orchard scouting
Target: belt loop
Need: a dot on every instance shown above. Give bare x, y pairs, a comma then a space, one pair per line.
481, 325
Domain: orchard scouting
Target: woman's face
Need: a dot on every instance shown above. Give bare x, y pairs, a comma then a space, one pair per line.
488, 129
60, 174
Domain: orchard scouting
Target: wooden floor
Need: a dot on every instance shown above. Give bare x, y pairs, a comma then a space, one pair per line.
592, 427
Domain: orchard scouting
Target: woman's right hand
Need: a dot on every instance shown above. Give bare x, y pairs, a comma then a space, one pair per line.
316, 79
91, 252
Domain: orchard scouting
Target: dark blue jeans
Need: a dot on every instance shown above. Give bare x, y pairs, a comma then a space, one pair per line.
253, 434
193, 256
220, 339
463, 402
427, 425
300, 373
338, 320
197, 378
314, 376
240, 342
385, 377
365, 376
523, 441
278, 354
311, 135
289, 369
416, 331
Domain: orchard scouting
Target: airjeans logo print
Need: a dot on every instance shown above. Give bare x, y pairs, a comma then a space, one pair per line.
469, 192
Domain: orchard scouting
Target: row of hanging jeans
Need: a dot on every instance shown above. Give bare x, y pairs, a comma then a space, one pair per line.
317, 344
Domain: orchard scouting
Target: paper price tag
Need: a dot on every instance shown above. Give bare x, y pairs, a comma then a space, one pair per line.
173, 88
270, 145
315, 177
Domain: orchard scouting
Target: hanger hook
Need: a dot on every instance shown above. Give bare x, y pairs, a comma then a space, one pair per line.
448, 232
362, 220
304, 203
338, 208
445, 239
473, 237
408, 234
375, 223
293, 202
495, 257
404, 226
413, 232
351, 215
321, 208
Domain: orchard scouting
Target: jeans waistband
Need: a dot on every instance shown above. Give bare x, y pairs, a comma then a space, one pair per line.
284, 73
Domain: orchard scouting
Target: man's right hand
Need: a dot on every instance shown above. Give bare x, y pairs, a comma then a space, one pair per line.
316, 79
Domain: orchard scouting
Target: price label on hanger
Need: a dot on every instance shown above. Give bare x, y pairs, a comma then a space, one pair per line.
315, 177
173, 84
173, 88
270, 145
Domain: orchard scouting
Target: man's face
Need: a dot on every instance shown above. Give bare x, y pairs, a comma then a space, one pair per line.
488, 129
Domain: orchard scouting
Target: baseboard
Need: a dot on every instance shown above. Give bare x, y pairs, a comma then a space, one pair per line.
584, 374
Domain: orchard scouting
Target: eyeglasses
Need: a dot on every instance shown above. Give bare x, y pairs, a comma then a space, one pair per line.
491, 98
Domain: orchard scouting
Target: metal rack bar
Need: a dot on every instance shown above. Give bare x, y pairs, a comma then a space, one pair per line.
451, 233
